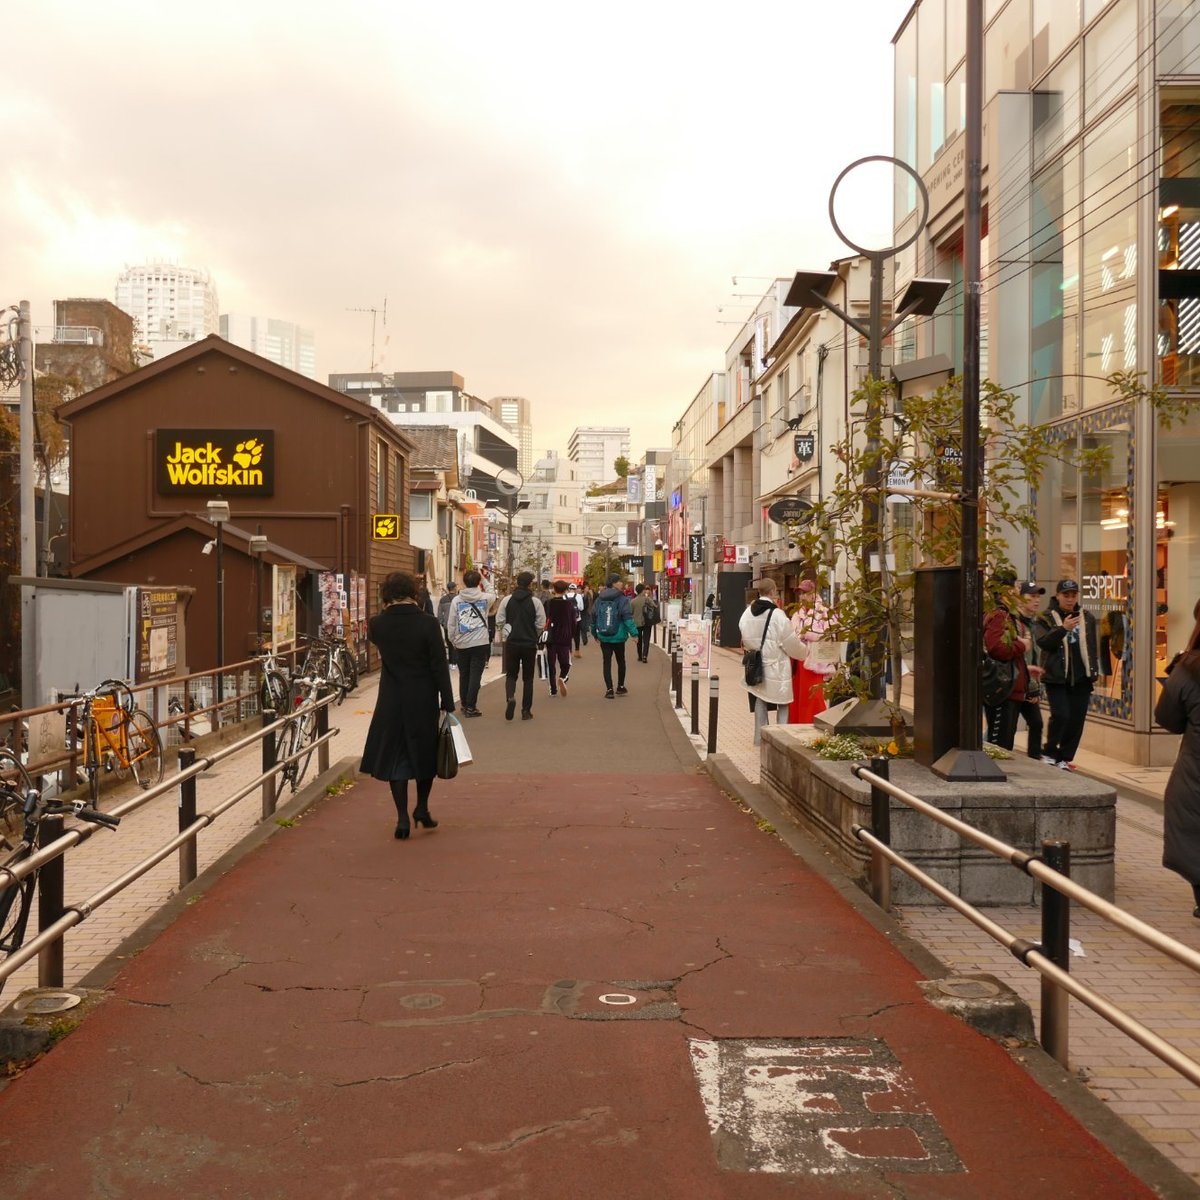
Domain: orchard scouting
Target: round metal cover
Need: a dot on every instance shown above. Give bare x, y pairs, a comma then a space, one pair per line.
968, 989
45, 1002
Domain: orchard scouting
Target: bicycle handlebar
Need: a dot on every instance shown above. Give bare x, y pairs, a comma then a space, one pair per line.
83, 811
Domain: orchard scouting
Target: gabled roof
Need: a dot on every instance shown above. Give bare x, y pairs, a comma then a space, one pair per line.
232, 537
214, 345
436, 446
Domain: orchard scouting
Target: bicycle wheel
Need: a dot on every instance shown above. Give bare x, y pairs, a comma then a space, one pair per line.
144, 748
349, 667
14, 783
306, 728
15, 903
273, 694
336, 679
285, 747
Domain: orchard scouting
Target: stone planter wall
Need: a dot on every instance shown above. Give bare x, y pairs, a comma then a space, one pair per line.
1036, 803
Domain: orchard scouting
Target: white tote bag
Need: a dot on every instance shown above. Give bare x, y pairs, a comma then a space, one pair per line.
460, 742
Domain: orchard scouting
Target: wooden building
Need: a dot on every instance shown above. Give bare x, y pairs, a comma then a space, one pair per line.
317, 472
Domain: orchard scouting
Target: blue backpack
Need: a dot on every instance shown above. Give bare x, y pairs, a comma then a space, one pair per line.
606, 617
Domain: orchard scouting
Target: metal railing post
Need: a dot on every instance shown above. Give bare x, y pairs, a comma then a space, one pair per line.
881, 827
322, 730
696, 699
1056, 939
51, 886
187, 814
714, 697
271, 782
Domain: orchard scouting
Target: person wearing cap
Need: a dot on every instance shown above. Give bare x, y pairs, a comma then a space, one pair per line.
810, 622
1178, 711
1066, 637
1008, 637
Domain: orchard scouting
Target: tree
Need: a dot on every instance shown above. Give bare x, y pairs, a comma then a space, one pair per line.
926, 439
621, 466
597, 568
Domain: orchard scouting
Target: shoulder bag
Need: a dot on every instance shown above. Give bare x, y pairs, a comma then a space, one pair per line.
447, 754
752, 663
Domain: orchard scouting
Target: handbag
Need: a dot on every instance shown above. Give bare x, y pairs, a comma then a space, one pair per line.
752, 662
996, 681
447, 754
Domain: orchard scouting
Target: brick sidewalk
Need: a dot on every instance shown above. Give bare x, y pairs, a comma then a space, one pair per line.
1151, 1097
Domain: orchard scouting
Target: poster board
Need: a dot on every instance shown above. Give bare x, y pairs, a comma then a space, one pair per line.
695, 639
156, 653
283, 608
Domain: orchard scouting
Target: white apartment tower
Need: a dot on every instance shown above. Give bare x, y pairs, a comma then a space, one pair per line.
594, 449
514, 413
277, 341
172, 305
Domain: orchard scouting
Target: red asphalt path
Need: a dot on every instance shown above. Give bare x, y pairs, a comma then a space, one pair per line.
347, 1015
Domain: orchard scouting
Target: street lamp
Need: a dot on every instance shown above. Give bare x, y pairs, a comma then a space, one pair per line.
218, 514
810, 289
258, 546
509, 483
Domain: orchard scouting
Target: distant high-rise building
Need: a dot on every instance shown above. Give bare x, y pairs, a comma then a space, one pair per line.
594, 449
173, 306
277, 341
514, 412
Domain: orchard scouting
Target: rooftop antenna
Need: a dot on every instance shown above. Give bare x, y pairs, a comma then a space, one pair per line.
375, 313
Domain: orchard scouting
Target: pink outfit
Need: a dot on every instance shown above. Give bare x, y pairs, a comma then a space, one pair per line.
810, 621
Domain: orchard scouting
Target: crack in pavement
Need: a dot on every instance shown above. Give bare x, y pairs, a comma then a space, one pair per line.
589, 1116
461, 1062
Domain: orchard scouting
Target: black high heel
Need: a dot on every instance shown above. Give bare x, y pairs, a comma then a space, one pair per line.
402, 831
423, 819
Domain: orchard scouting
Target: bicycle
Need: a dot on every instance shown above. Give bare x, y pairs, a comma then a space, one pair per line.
117, 736
297, 735
274, 690
346, 660
19, 796
323, 660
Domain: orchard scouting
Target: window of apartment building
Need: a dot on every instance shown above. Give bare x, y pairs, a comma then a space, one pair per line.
420, 506
1006, 51
1177, 44
931, 77
1054, 289
1109, 259
1178, 343
442, 402
905, 115
1110, 58
1056, 109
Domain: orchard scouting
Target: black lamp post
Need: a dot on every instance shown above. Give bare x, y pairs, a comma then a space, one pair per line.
258, 546
810, 289
218, 514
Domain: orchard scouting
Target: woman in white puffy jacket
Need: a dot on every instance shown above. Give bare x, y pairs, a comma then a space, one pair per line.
775, 691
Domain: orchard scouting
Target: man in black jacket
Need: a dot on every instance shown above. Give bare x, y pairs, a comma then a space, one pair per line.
521, 619
1066, 637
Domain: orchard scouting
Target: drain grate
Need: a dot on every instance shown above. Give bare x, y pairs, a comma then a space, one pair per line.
818, 1106
616, 1000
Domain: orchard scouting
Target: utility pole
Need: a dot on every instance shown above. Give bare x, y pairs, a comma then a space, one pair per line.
28, 513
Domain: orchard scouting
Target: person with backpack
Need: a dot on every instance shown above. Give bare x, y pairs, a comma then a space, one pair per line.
443, 612
645, 613
521, 619
467, 632
612, 627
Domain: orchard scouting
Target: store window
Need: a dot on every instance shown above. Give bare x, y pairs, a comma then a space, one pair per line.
1177, 43
1085, 522
1006, 51
1110, 57
1178, 342
1109, 260
1056, 110
1055, 26
1177, 540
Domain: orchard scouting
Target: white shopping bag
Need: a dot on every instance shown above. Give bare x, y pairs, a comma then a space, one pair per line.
460, 742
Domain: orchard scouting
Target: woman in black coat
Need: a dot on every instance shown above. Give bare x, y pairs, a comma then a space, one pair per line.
402, 741
1178, 710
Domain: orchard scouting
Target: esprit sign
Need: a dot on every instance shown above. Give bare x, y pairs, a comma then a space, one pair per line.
238, 462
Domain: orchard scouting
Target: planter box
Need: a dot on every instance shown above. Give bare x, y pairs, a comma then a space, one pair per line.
1035, 804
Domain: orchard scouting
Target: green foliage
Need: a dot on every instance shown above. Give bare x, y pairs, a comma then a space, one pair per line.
597, 568
621, 466
926, 437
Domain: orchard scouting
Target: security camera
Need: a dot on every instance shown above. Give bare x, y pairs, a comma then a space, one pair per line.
207, 548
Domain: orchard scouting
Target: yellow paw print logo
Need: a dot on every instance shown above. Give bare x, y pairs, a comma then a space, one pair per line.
385, 527
248, 453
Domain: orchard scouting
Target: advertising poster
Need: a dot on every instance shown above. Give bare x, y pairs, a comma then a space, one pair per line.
156, 634
695, 639
328, 583
283, 606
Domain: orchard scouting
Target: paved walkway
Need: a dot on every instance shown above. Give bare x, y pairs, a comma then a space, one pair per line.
1151, 1097
596, 978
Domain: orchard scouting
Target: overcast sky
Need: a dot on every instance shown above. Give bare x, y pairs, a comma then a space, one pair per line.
553, 198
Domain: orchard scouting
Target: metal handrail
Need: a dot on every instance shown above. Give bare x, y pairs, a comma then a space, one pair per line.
1026, 952
75, 914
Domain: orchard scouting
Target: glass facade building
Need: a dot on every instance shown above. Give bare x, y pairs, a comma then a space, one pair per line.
1090, 266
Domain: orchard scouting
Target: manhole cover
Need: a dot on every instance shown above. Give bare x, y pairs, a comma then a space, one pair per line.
968, 989
41, 1003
